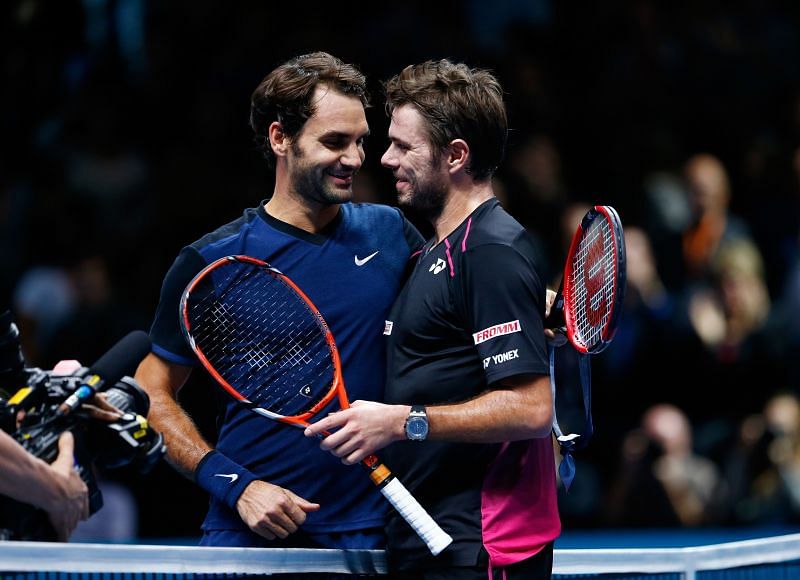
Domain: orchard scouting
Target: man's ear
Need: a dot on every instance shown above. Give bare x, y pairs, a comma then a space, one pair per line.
457, 155
278, 140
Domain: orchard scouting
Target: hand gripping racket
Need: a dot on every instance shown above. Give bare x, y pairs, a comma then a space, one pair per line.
268, 347
589, 300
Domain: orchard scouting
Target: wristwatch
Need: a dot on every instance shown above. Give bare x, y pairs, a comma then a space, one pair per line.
417, 424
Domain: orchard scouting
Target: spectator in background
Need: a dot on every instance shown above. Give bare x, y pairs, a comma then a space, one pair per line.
711, 224
44, 298
663, 482
691, 481
728, 340
726, 314
763, 467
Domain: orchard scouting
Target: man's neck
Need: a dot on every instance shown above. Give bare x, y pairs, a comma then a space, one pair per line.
461, 202
300, 212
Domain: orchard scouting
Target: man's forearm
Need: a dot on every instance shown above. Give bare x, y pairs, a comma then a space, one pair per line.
162, 381
185, 445
506, 413
24, 477
518, 408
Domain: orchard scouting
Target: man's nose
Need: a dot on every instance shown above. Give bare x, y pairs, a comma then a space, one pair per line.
353, 156
388, 159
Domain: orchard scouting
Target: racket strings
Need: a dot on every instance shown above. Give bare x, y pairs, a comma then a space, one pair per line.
592, 282
262, 339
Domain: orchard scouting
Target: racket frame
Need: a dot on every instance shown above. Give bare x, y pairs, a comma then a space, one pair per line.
610, 215
337, 385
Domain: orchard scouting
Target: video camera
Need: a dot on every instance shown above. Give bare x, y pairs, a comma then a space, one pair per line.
51, 404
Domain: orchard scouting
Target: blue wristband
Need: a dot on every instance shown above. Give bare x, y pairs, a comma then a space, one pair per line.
223, 478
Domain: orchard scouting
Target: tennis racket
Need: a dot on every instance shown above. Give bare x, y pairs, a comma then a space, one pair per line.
269, 348
589, 300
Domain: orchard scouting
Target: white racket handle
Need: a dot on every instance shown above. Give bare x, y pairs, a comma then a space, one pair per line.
416, 516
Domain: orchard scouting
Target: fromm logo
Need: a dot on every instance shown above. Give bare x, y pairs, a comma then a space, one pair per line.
497, 330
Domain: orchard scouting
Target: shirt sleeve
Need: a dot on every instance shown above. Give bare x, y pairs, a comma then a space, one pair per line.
501, 298
165, 332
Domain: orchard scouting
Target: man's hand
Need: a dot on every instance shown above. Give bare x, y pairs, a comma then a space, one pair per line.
71, 504
101, 409
271, 511
361, 430
550, 299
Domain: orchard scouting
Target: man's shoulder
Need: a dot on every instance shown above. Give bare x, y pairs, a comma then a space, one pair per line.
493, 225
375, 220
369, 212
496, 237
227, 232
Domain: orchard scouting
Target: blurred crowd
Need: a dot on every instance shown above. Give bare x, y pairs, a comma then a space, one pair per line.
126, 137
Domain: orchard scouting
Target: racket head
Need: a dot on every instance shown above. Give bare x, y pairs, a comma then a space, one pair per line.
262, 339
594, 280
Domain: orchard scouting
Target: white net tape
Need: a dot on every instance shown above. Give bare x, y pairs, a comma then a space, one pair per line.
178, 560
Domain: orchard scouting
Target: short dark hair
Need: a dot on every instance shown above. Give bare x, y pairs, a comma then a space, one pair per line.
285, 94
457, 102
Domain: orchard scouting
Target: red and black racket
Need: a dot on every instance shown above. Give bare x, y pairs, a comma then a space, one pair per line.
268, 347
589, 301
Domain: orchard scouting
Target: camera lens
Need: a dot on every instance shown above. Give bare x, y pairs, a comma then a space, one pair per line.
11, 360
127, 396
129, 440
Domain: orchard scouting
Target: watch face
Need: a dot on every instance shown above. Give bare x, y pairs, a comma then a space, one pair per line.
417, 428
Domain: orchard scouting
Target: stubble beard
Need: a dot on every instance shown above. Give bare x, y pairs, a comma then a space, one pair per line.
428, 197
310, 182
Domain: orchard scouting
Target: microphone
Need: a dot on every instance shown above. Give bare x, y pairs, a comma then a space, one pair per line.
120, 360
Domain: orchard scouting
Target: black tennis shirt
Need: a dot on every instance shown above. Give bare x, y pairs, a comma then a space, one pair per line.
469, 316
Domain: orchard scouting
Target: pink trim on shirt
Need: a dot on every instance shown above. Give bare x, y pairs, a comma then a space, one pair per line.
466, 235
449, 258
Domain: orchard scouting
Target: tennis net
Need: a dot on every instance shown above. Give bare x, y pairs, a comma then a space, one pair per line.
765, 558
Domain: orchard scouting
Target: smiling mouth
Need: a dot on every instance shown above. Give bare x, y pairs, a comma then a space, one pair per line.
345, 178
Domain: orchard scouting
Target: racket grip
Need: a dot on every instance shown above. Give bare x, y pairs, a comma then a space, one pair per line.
416, 516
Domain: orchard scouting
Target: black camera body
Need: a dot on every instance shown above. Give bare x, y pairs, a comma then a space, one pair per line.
37, 395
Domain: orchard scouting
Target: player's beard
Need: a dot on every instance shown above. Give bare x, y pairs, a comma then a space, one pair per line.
428, 192
313, 183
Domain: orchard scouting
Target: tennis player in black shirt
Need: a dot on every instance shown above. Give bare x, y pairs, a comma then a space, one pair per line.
468, 410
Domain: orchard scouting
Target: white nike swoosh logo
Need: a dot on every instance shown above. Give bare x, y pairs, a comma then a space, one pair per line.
233, 476
362, 261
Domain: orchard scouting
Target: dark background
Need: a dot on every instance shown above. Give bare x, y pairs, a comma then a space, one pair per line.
125, 136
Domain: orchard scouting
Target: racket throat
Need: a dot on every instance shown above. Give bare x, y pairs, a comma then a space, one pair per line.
378, 472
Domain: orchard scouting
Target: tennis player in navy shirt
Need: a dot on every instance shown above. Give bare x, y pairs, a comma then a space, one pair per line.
270, 485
